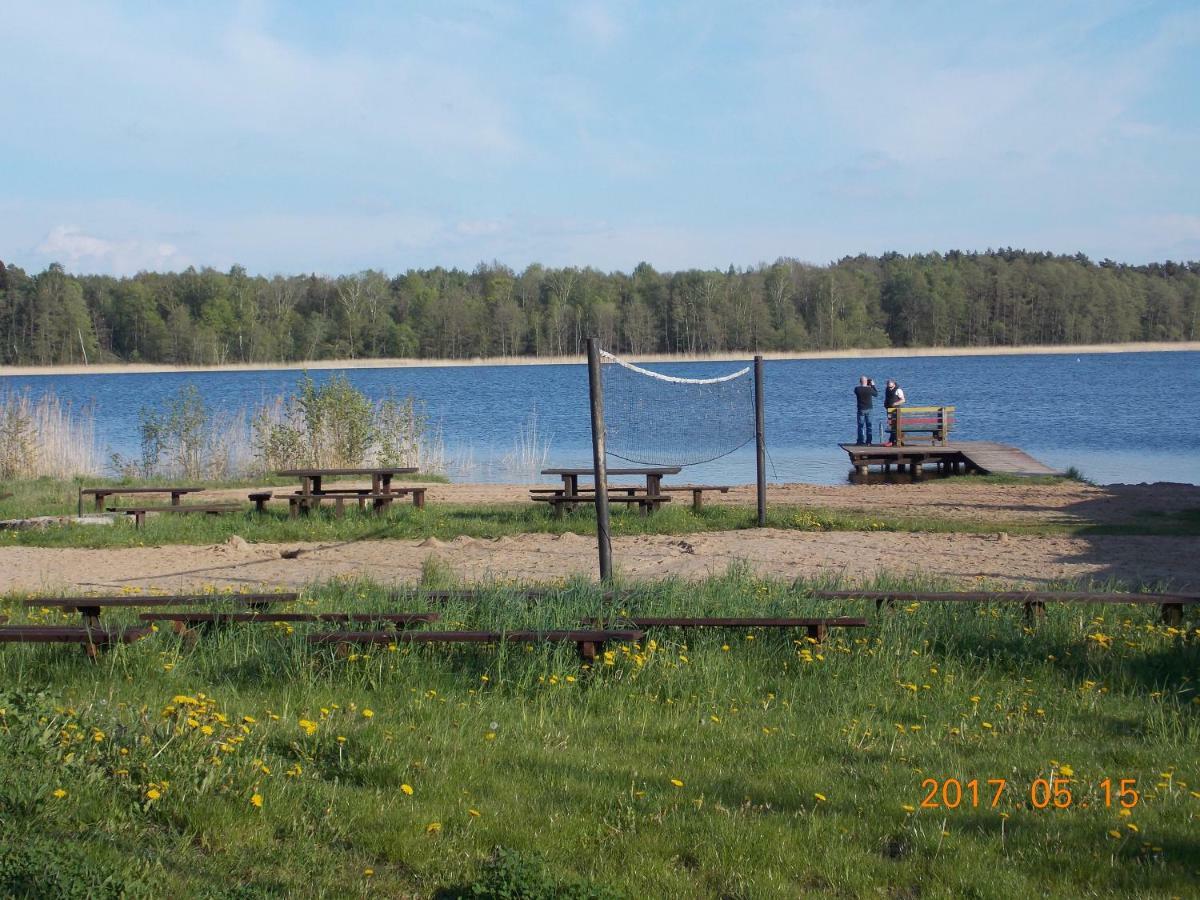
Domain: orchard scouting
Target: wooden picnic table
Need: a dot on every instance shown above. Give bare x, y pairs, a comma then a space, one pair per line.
103, 493
654, 476
381, 478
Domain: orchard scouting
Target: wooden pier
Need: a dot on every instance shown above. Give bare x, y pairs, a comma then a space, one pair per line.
985, 457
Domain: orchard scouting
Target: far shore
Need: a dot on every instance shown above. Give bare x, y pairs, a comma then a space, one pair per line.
858, 353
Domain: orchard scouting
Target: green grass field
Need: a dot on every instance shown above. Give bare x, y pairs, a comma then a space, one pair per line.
716, 764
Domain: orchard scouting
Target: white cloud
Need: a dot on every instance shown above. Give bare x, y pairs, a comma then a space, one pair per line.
78, 251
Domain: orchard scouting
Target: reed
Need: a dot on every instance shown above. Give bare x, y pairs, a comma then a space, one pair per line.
531, 448
46, 437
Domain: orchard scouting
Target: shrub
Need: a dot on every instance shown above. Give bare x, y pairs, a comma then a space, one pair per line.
186, 439
512, 875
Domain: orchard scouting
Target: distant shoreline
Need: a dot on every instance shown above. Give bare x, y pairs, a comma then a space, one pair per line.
876, 353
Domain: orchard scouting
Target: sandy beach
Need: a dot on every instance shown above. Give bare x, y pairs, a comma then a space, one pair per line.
996, 556
861, 353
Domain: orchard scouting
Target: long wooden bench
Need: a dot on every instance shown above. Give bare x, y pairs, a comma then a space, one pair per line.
93, 639
816, 628
588, 642
299, 503
697, 491
139, 512
646, 503
90, 607
101, 494
1034, 602
183, 620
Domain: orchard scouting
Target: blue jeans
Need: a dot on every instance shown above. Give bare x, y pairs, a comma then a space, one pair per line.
864, 426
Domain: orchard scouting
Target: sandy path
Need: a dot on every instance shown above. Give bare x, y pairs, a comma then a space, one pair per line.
1020, 560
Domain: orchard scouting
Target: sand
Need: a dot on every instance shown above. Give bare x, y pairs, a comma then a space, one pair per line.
742, 356
963, 558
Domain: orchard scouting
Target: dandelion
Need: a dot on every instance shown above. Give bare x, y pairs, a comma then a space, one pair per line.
407, 788
821, 797
473, 813
1114, 833
490, 736
153, 794
367, 873
59, 793
256, 801
677, 782
367, 713
433, 828
908, 808
1066, 770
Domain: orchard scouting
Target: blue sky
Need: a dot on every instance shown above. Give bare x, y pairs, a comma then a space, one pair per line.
323, 137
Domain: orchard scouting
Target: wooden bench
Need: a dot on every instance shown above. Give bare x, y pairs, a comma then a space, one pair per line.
90, 607
185, 623
259, 499
139, 512
1034, 602
647, 503
920, 424
102, 494
301, 503
697, 491
588, 642
93, 639
816, 628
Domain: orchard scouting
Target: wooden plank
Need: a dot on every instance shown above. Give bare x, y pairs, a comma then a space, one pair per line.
1005, 597
74, 603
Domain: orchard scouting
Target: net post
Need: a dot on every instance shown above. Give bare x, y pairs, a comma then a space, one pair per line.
760, 441
596, 396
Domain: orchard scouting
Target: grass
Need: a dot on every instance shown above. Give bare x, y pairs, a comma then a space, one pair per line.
447, 521
718, 764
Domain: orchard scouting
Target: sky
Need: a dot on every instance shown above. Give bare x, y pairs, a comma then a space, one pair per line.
331, 138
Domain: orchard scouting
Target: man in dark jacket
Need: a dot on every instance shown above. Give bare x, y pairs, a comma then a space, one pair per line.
865, 393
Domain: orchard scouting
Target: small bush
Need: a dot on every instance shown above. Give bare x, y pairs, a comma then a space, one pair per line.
186, 439
512, 875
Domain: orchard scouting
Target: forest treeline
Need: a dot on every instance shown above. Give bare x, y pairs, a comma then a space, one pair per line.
208, 317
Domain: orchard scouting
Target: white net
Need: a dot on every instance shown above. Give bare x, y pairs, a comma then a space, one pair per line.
660, 420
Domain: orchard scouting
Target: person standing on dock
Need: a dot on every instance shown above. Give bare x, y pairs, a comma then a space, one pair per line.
893, 399
865, 393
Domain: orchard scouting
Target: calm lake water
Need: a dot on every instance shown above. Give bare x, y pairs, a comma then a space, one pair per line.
1128, 417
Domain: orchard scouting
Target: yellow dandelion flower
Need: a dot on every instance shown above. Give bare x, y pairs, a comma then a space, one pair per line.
256, 801
407, 788
908, 808
676, 782
1114, 833
821, 797
59, 793
473, 813
367, 713
1066, 770
433, 828
153, 794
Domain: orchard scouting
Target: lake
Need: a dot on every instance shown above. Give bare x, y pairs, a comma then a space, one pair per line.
1123, 417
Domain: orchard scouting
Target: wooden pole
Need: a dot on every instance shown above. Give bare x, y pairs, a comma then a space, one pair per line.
596, 395
760, 441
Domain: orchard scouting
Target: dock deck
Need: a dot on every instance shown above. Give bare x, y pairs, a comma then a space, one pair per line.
987, 457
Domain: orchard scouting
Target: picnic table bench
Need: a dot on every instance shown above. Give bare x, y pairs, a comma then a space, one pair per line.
697, 491
93, 638
561, 502
209, 509
90, 607
311, 480
302, 503
1034, 602
101, 494
816, 628
588, 642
